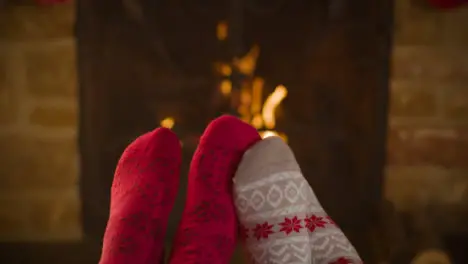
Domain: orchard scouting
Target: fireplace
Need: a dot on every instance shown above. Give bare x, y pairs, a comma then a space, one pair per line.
314, 72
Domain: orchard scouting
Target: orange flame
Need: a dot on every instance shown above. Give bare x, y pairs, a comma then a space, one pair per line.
251, 109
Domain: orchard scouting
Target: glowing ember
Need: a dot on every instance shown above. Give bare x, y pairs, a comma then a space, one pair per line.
225, 70
226, 87
222, 31
248, 63
168, 122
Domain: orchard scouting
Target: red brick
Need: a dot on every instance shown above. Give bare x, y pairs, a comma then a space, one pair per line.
455, 102
435, 184
32, 22
50, 116
415, 25
410, 101
9, 100
34, 163
455, 31
51, 70
417, 146
55, 216
429, 63
13, 217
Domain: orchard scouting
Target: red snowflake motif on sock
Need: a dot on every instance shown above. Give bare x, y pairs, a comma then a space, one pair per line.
290, 225
342, 261
330, 220
263, 230
244, 232
313, 222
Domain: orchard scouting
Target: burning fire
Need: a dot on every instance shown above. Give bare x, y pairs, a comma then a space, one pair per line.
264, 120
251, 109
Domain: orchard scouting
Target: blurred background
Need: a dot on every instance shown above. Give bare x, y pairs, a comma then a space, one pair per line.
371, 95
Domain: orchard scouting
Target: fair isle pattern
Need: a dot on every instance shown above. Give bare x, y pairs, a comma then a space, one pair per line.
294, 249
283, 222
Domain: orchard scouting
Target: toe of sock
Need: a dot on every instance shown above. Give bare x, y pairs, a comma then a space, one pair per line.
167, 142
271, 155
161, 142
231, 132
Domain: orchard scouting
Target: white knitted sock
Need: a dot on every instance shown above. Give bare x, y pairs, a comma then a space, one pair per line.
281, 220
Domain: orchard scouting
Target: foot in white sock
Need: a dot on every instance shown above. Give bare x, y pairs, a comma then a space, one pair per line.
282, 221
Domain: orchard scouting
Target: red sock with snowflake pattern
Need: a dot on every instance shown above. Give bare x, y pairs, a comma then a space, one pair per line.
142, 195
208, 229
280, 217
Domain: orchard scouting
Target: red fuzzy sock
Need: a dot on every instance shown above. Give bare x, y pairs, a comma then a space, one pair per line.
143, 193
208, 230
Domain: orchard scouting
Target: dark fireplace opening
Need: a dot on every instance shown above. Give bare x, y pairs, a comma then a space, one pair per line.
456, 245
182, 63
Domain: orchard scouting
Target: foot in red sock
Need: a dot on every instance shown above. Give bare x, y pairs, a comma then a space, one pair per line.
208, 230
143, 193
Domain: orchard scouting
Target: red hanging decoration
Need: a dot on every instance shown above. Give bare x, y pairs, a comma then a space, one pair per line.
447, 4
50, 2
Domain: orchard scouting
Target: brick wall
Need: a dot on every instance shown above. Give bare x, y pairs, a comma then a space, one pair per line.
38, 175
428, 139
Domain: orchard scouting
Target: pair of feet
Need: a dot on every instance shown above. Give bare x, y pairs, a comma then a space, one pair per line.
145, 186
281, 220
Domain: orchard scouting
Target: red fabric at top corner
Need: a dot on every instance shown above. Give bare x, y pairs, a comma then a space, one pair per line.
51, 2
447, 4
